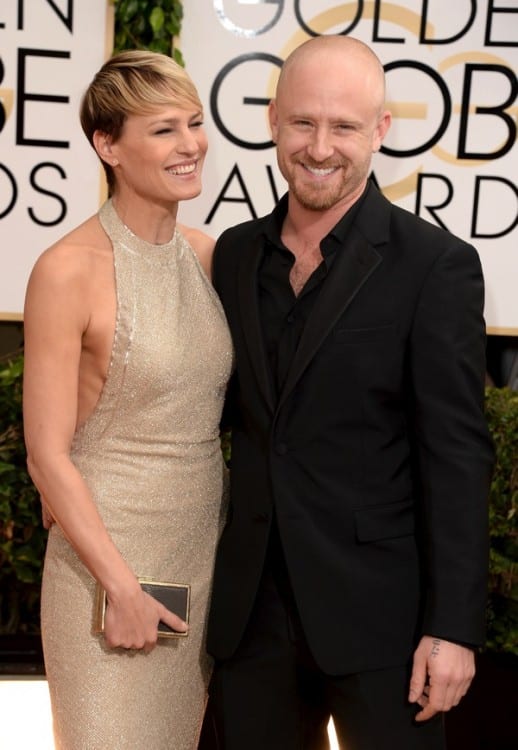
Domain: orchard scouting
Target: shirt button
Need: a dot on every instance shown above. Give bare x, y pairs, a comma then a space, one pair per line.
290, 318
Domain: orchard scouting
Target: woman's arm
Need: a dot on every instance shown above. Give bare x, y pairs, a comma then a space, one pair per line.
57, 320
202, 244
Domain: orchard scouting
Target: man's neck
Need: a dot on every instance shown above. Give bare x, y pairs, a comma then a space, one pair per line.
308, 228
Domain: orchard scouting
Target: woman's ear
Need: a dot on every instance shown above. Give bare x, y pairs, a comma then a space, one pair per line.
103, 145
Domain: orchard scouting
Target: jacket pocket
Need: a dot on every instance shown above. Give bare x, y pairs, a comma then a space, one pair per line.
385, 521
364, 335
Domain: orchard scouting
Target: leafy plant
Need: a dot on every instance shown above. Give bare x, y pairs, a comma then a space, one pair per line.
148, 24
22, 537
139, 24
502, 615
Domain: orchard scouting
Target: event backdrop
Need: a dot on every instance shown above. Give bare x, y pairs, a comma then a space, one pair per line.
49, 175
451, 153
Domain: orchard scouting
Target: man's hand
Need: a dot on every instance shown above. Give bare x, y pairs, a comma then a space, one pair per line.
442, 673
46, 515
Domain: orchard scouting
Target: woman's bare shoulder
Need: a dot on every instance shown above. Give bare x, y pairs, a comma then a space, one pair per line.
74, 255
201, 243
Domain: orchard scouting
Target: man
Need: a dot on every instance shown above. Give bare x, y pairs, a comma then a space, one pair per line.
351, 575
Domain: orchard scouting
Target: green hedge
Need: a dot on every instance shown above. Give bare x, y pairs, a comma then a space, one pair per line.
22, 537
502, 417
152, 24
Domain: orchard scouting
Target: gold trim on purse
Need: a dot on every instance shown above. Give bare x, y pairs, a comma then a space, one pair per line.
175, 596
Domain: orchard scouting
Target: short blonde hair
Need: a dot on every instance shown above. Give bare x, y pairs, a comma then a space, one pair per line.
134, 82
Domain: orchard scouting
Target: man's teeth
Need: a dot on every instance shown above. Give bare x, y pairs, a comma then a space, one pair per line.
320, 172
182, 169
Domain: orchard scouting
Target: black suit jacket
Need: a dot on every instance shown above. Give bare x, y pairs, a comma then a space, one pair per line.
376, 455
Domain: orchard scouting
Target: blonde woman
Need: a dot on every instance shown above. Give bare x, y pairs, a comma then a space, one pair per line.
127, 359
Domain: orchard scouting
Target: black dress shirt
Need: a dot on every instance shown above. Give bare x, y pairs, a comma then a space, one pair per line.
283, 314
283, 317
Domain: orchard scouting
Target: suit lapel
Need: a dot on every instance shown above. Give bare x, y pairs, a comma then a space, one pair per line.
351, 269
249, 309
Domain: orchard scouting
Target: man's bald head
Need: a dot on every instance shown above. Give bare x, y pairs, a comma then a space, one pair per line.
352, 55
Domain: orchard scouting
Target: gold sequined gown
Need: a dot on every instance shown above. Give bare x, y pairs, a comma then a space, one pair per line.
151, 457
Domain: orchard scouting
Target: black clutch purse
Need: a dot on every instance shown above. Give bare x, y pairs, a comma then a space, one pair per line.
174, 596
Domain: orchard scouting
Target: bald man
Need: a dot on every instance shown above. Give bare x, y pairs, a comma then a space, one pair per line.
351, 575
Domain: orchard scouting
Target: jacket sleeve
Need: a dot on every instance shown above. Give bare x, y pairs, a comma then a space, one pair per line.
220, 273
454, 456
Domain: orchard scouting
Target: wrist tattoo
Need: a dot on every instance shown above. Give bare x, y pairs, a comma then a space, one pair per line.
435, 647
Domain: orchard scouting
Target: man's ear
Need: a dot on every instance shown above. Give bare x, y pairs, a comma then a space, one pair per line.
381, 130
103, 145
273, 119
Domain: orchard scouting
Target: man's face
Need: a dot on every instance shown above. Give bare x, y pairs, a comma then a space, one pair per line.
327, 122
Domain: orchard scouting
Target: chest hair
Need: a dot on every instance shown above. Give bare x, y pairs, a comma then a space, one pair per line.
306, 262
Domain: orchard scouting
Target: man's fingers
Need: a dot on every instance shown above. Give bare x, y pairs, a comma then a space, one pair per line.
46, 516
448, 671
47, 519
418, 678
427, 713
441, 696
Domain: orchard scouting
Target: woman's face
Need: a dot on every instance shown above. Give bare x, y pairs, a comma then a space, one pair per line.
160, 156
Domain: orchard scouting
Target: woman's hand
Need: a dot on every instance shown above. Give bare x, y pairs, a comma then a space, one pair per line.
131, 621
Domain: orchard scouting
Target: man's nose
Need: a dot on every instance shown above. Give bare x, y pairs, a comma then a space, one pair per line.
321, 147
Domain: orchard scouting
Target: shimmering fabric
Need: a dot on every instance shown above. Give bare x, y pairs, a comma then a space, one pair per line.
150, 455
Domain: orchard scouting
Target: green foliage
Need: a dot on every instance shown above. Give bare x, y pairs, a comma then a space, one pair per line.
22, 537
502, 620
148, 24
139, 24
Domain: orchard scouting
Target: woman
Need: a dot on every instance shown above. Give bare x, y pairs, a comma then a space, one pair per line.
127, 355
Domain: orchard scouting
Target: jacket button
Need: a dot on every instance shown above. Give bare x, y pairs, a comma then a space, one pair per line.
281, 449
263, 517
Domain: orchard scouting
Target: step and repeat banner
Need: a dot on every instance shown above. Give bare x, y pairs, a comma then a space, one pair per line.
49, 175
450, 155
